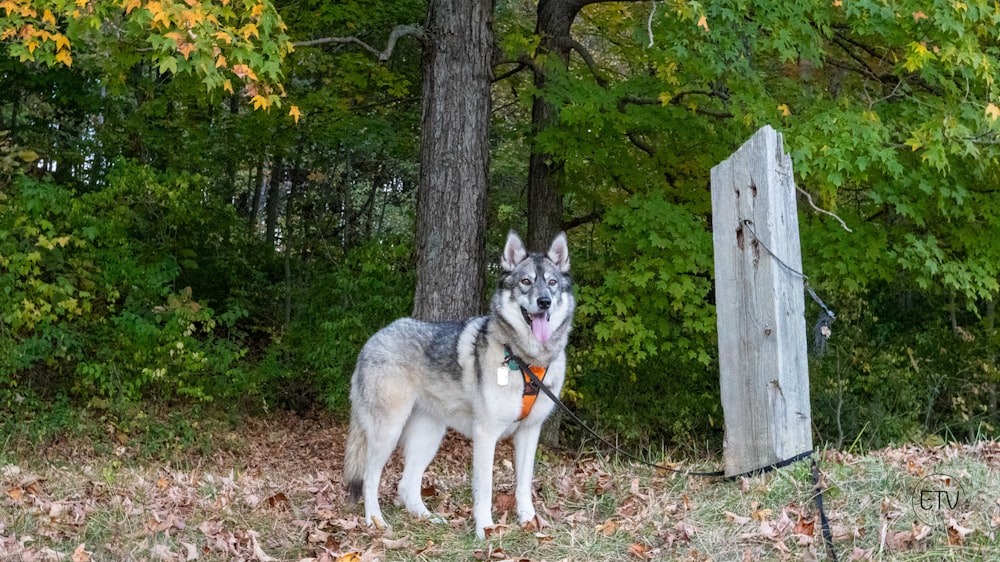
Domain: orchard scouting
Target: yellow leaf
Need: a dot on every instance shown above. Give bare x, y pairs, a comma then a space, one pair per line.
221, 62
62, 42
227, 86
917, 16
223, 36
703, 23
64, 57
260, 102
32, 45
257, 11
130, 5
81, 3
48, 18
783, 108
192, 18
295, 113
992, 111
248, 30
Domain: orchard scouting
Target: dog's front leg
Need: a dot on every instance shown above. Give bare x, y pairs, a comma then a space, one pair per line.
525, 445
483, 451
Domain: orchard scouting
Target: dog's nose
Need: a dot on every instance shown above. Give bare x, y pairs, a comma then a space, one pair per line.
544, 303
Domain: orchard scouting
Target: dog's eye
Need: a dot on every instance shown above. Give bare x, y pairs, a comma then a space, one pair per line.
552, 282
526, 281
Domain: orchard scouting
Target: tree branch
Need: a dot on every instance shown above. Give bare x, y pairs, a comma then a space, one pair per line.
582, 220
522, 62
588, 59
397, 33
824, 211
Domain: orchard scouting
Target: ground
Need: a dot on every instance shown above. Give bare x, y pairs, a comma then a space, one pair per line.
270, 488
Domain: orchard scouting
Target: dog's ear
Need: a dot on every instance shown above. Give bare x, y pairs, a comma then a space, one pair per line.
513, 252
559, 252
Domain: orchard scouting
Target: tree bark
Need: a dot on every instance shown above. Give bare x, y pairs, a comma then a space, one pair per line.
451, 198
273, 203
545, 206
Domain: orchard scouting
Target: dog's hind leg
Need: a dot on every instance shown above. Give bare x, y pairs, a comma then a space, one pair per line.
383, 434
525, 445
420, 441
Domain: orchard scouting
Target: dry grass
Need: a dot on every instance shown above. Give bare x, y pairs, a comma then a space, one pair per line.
275, 493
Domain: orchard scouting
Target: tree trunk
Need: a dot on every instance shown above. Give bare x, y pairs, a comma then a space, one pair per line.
545, 208
273, 204
545, 204
451, 198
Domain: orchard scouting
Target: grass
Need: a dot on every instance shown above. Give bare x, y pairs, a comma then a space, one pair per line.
221, 489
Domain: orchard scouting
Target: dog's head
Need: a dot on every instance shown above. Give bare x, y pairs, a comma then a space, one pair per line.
539, 285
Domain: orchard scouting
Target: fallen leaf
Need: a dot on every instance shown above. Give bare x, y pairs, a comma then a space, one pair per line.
738, 519
396, 544
257, 551
278, 501
957, 533
639, 551
607, 528
862, 554
80, 554
805, 527
536, 523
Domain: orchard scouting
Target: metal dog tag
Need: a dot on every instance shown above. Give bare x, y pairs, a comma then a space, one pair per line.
503, 375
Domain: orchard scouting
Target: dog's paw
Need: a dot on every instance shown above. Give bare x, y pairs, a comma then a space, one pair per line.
376, 521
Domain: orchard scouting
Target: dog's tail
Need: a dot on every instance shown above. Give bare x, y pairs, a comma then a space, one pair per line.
355, 457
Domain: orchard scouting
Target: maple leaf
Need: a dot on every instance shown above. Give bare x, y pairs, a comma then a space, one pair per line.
244, 71
917, 16
992, 111
783, 108
703, 23
261, 102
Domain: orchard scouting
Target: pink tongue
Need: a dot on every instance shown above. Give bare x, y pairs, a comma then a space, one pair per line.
540, 327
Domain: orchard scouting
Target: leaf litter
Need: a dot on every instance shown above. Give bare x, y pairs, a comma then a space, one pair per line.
280, 496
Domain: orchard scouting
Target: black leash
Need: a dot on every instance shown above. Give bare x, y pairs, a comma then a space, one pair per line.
818, 497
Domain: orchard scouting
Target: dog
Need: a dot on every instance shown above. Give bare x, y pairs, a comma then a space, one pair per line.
415, 379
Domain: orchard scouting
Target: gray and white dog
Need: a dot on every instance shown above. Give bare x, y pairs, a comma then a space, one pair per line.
414, 379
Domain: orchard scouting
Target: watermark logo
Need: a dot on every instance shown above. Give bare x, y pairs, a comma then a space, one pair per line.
936, 497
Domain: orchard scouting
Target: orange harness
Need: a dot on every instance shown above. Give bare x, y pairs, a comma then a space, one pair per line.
530, 392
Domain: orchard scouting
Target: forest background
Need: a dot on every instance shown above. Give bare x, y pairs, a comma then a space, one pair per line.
211, 204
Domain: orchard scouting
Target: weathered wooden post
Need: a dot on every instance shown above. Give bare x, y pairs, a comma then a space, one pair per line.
760, 306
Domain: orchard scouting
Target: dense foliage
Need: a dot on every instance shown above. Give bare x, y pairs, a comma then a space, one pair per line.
161, 241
